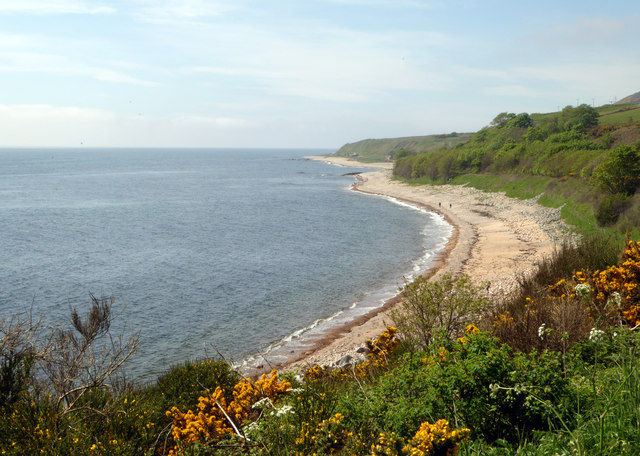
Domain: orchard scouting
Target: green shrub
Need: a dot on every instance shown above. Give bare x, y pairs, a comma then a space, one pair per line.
446, 305
475, 382
402, 153
610, 208
620, 171
182, 385
15, 371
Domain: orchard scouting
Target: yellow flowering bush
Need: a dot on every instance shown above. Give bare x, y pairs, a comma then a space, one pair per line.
616, 290
436, 439
389, 444
503, 320
208, 423
215, 419
247, 393
469, 330
554, 318
378, 353
328, 437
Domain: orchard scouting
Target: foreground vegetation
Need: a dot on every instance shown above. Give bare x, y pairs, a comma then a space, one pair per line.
552, 370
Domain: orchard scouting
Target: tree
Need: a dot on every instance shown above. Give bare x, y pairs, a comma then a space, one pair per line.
522, 120
620, 171
66, 364
402, 153
446, 305
580, 117
500, 121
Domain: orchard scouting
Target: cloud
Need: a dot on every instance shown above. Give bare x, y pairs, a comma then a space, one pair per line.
46, 125
593, 79
267, 51
324, 64
589, 32
391, 3
110, 75
493, 74
514, 90
175, 11
217, 122
20, 53
43, 7
48, 112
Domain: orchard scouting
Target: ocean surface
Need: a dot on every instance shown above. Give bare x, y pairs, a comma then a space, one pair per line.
250, 253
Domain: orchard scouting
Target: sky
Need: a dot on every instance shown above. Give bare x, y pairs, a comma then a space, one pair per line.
299, 73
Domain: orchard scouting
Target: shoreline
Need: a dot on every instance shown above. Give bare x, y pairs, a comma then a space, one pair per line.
494, 239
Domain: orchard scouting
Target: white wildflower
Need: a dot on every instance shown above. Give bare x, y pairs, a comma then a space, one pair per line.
251, 428
596, 335
285, 410
541, 331
263, 403
582, 289
616, 298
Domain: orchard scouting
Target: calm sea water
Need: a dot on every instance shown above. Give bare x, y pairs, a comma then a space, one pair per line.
240, 251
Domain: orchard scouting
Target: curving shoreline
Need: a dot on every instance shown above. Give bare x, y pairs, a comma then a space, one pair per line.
494, 239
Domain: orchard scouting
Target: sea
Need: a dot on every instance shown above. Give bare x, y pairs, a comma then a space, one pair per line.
249, 254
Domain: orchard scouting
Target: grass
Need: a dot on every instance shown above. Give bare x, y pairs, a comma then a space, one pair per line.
577, 198
377, 150
622, 115
521, 187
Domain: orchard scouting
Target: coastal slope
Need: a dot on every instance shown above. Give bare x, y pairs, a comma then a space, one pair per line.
495, 239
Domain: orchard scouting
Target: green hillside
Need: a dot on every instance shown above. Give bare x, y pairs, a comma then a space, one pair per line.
620, 115
580, 158
376, 150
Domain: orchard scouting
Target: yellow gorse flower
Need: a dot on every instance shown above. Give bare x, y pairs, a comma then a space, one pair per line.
211, 422
436, 439
378, 352
617, 288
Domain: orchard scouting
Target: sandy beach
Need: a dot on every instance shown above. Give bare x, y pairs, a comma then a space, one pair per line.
494, 240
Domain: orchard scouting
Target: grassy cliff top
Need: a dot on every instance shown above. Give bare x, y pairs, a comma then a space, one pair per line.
376, 150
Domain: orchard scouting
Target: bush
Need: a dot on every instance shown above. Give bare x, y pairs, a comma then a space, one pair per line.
610, 208
620, 171
475, 382
402, 153
403, 167
446, 305
517, 320
58, 385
